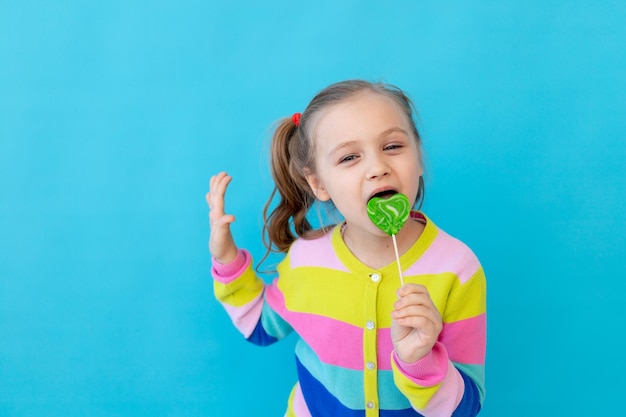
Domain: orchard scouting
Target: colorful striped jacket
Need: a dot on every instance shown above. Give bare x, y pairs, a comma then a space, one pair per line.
341, 312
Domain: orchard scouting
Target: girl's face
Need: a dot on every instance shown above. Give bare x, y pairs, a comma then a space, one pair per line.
364, 147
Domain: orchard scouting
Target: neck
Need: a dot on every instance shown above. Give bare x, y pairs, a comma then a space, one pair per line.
376, 251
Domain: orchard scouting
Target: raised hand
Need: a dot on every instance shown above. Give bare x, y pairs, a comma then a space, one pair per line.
221, 243
416, 323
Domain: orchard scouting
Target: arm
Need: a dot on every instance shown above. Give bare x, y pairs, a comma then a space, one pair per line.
236, 286
449, 378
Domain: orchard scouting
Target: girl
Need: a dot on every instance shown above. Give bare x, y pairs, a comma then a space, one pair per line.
366, 345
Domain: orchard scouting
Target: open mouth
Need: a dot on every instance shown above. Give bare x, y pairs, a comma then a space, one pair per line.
384, 194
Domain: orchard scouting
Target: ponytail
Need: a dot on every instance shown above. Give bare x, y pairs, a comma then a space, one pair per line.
287, 221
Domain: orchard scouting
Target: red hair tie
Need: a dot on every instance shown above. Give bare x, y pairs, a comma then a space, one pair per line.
296, 119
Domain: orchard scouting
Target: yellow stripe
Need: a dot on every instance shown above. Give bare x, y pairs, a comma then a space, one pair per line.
419, 396
467, 300
240, 291
290, 412
305, 286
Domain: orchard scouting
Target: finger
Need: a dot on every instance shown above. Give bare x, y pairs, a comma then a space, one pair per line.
421, 323
225, 220
215, 197
416, 311
213, 180
416, 305
219, 187
407, 289
414, 299
216, 179
212, 188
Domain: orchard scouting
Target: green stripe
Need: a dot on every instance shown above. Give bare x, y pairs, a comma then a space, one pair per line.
273, 324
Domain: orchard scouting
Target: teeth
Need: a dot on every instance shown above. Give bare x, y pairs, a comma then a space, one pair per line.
384, 194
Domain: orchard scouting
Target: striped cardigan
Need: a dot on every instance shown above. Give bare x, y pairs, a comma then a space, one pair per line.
341, 309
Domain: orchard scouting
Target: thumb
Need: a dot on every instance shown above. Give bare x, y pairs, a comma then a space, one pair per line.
226, 220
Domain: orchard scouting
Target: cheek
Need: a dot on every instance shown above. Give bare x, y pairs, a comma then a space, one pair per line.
341, 192
418, 165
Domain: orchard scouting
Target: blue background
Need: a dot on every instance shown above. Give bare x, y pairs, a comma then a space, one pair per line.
113, 116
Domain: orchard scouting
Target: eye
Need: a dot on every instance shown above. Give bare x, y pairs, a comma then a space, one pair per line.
347, 158
392, 146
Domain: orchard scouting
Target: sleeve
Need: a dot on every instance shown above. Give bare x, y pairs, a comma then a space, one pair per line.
450, 380
242, 294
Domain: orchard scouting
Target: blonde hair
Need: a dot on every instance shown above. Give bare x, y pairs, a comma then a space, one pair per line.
293, 157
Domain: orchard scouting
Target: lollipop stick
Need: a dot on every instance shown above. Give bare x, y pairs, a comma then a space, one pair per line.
395, 248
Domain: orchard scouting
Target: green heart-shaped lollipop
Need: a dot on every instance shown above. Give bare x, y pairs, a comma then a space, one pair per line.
389, 214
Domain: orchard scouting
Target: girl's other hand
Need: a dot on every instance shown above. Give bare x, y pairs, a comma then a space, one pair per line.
221, 243
416, 323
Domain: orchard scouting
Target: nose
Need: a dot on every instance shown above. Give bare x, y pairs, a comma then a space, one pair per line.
377, 168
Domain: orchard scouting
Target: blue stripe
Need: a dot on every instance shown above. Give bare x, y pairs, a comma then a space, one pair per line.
470, 403
347, 383
322, 403
260, 337
476, 373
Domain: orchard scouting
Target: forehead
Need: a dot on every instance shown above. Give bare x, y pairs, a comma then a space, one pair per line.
362, 116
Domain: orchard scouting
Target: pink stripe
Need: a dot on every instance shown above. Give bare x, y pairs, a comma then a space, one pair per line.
325, 256
465, 340
246, 317
448, 396
437, 258
322, 334
299, 406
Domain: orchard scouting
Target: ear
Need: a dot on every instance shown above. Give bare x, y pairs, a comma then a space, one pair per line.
317, 187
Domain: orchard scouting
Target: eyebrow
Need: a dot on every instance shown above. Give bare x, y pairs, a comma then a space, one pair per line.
392, 130
352, 142
341, 146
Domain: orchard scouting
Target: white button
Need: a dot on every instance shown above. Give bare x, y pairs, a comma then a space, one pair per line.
375, 277
371, 365
370, 325
370, 404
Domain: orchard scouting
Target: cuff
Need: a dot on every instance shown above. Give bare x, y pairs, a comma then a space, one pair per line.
428, 371
225, 273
